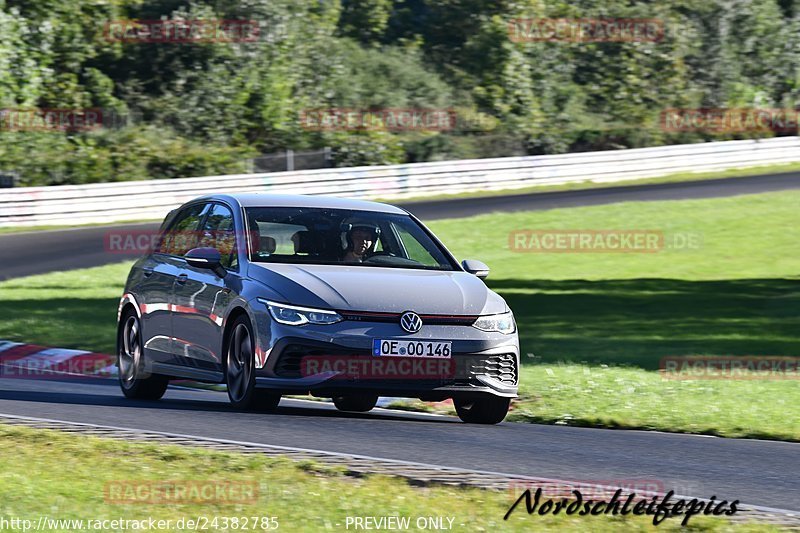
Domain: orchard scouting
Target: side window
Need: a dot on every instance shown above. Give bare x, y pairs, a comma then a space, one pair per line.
219, 232
182, 234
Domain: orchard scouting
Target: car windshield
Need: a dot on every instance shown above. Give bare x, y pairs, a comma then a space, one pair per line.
339, 236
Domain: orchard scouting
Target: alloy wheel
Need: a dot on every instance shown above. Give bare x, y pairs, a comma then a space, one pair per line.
240, 354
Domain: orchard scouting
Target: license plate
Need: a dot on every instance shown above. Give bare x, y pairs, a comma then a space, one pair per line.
400, 348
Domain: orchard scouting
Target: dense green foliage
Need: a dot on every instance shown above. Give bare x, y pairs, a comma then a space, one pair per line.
192, 109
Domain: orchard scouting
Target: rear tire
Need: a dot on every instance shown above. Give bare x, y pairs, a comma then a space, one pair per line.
355, 403
486, 410
240, 373
134, 380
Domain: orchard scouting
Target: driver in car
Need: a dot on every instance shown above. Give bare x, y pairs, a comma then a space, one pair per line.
360, 241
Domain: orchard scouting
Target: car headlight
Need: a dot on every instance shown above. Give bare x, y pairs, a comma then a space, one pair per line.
502, 323
293, 315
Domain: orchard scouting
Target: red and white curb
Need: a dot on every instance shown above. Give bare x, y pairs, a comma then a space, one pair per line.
32, 361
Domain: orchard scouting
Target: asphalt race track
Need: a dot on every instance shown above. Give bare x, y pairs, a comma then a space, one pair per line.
755, 472
46, 251
752, 471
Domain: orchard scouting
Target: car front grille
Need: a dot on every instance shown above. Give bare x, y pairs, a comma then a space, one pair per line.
502, 367
428, 320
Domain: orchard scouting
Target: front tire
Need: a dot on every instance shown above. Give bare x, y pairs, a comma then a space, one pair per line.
356, 403
134, 381
486, 410
240, 374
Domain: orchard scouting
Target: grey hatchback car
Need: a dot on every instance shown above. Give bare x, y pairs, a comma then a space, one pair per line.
344, 299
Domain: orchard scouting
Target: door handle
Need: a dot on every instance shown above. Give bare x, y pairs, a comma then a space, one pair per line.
147, 271
182, 279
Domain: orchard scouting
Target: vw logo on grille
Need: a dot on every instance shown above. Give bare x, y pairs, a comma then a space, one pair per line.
410, 322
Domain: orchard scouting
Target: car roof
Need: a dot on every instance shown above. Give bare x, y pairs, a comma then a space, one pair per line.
302, 200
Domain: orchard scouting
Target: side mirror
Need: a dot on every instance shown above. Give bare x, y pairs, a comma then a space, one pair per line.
207, 258
475, 267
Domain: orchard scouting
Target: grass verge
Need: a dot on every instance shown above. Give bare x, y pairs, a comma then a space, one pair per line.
63, 476
632, 398
737, 292
73, 309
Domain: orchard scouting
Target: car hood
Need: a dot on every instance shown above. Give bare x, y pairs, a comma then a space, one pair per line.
377, 289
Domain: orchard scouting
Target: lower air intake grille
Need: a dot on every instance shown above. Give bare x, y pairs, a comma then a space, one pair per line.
291, 358
500, 367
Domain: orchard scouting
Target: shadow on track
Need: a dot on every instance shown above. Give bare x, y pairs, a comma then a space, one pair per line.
114, 398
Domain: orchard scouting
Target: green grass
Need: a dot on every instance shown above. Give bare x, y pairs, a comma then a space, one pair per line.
74, 309
632, 398
750, 236
625, 397
738, 293
64, 476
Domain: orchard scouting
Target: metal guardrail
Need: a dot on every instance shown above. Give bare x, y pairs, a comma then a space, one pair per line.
141, 200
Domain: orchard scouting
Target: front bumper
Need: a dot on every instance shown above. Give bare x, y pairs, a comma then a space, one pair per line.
480, 364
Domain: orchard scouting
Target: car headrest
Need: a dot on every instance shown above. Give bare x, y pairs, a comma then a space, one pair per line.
306, 242
266, 245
